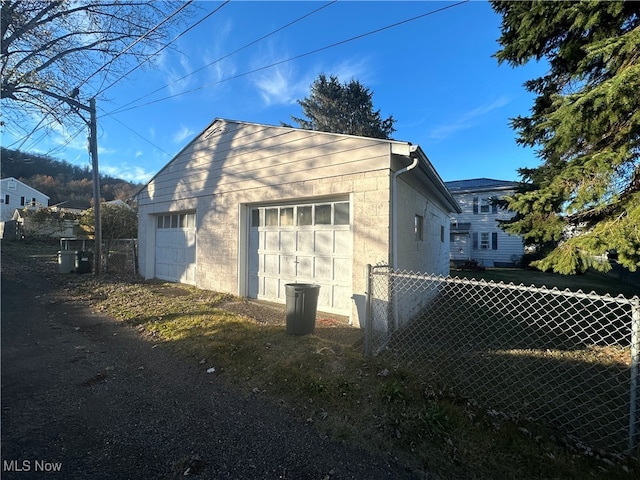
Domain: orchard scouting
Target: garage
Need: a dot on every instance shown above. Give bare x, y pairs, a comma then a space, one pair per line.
176, 247
302, 243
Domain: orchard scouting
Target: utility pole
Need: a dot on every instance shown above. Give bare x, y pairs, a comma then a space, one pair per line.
93, 151
93, 148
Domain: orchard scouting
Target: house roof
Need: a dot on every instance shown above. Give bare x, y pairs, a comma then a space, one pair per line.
396, 146
479, 184
5, 181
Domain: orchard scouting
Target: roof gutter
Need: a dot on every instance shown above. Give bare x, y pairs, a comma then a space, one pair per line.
394, 203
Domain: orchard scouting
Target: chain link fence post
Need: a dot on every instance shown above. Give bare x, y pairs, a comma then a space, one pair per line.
634, 393
368, 314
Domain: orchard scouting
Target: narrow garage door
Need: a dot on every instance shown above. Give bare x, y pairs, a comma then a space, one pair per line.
176, 247
306, 243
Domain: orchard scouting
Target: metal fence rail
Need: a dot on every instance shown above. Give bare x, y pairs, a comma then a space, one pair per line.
569, 359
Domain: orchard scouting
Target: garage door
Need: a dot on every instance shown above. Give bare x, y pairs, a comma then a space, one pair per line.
176, 247
304, 243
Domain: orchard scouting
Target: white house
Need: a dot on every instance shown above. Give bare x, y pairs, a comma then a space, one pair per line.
15, 195
475, 234
245, 208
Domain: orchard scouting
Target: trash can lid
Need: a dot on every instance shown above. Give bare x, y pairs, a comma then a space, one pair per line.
301, 286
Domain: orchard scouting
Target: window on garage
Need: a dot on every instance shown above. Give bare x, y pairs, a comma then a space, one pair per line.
301, 215
182, 220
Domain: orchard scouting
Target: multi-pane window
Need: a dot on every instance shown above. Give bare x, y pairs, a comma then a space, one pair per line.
333, 213
484, 240
177, 220
484, 205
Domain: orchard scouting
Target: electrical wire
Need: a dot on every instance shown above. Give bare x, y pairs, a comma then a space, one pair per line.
135, 42
296, 57
264, 37
147, 59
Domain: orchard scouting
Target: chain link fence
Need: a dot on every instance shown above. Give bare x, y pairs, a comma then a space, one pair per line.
121, 257
566, 359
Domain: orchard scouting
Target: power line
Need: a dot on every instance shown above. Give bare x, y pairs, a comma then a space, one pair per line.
142, 137
296, 57
164, 46
225, 56
136, 41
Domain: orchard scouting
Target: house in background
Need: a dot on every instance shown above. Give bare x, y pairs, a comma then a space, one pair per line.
475, 234
246, 208
15, 195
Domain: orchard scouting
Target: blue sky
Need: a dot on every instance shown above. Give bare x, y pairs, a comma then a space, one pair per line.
435, 75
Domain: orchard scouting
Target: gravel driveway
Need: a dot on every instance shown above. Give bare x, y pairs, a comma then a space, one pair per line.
84, 398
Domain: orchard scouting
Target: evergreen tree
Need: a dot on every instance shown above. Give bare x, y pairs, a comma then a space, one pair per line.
342, 108
584, 198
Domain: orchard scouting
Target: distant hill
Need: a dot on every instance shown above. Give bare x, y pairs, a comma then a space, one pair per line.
64, 183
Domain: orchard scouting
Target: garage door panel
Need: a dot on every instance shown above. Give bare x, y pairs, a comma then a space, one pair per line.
272, 264
288, 265
305, 267
176, 249
305, 241
324, 241
288, 241
342, 270
324, 268
342, 241
306, 248
272, 241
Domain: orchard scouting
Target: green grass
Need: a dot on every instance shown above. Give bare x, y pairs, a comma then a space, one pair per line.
600, 283
375, 403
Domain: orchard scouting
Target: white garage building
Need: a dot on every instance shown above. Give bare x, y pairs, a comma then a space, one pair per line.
246, 208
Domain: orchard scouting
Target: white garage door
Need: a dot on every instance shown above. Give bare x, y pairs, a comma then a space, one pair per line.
306, 243
176, 247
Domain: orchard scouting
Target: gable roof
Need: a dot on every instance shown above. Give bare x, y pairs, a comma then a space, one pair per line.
479, 185
5, 182
401, 148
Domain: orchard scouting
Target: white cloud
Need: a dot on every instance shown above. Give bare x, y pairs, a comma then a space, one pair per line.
466, 120
129, 173
182, 134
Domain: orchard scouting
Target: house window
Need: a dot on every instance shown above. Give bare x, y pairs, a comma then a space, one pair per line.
12, 185
418, 227
484, 205
484, 240
6, 199
22, 201
442, 233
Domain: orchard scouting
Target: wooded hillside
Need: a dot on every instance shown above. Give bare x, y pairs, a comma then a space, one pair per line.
62, 181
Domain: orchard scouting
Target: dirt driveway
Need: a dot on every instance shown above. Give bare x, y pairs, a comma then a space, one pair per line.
84, 398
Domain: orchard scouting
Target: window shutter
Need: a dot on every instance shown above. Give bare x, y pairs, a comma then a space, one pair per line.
475, 204
475, 240
494, 241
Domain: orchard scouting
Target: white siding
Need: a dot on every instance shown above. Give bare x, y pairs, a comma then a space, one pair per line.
509, 247
19, 196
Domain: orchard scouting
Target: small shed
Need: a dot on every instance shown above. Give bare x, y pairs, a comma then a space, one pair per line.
246, 208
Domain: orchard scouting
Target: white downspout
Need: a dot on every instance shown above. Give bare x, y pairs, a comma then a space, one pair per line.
394, 206
394, 224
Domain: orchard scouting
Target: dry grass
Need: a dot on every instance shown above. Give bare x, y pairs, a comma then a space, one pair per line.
325, 380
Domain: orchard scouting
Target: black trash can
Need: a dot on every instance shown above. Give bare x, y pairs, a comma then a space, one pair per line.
83, 261
302, 303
